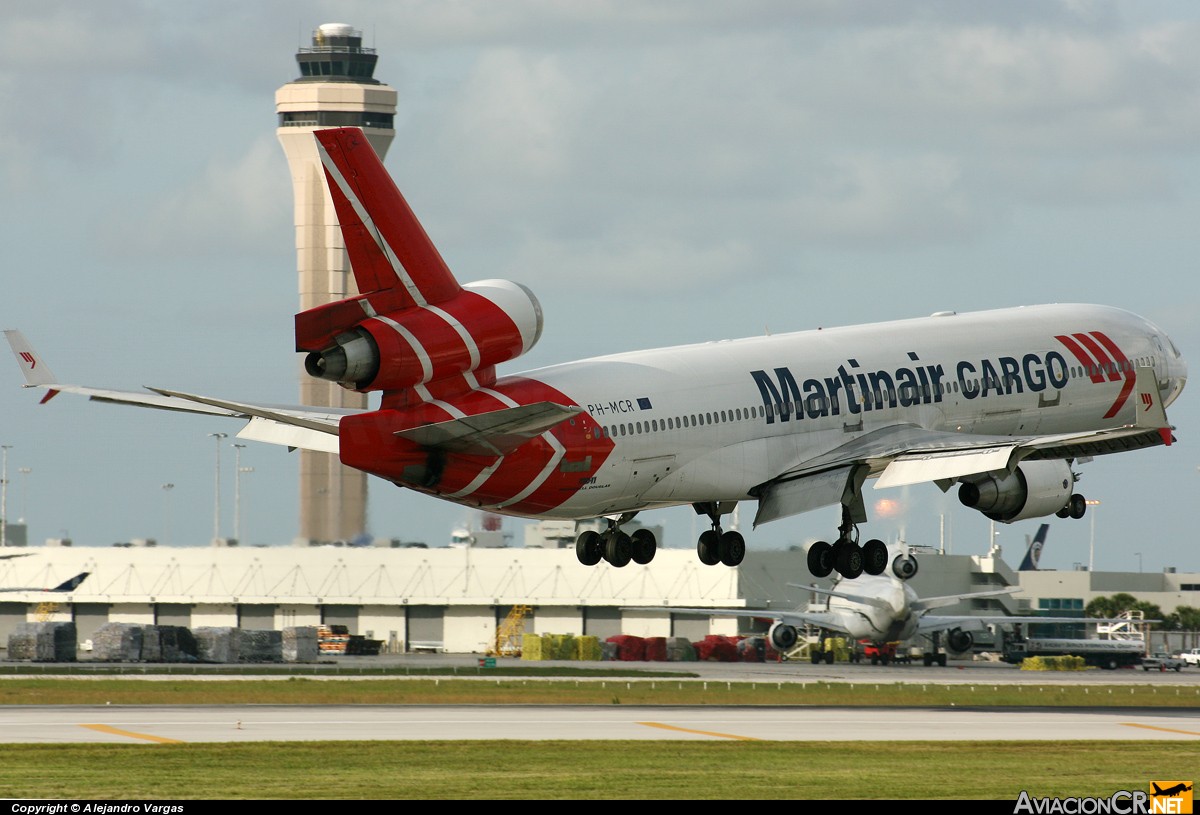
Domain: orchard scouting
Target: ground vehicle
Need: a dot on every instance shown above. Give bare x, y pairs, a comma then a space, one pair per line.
885, 652
1161, 661
1191, 657
1108, 654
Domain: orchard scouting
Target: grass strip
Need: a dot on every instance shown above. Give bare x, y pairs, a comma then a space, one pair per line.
306, 691
564, 770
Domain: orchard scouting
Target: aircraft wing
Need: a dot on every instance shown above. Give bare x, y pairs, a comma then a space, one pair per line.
494, 433
304, 427
933, 622
909, 454
823, 619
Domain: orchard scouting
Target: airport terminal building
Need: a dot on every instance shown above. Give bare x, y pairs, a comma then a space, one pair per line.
454, 598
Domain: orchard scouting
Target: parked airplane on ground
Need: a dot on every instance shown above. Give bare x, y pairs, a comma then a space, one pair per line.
880, 609
66, 585
1000, 402
1034, 553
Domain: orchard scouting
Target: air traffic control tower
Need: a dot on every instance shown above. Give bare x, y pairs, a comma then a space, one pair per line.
336, 88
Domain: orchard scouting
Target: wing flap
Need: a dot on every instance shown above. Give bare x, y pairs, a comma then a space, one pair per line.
784, 498
288, 435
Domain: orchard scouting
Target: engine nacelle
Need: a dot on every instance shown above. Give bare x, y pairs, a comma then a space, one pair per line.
488, 322
904, 566
1033, 490
959, 641
783, 637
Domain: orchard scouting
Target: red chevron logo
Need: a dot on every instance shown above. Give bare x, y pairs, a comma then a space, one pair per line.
1101, 359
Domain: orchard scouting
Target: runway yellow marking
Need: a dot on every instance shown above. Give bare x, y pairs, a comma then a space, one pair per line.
103, 728
662, 726
1161, 729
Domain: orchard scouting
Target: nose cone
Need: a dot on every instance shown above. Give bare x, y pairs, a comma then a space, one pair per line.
1176, 372
1176, 379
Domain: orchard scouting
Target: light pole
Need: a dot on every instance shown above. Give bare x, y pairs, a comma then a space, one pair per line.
167, 513
1092, 545
1139, 557
238, 469
4, 496
24, 471
217, 489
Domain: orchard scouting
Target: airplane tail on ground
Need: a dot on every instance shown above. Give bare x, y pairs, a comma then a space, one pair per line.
72, 584
67, 585
1034, 552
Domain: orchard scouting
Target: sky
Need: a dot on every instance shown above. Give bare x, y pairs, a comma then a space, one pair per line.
657, 173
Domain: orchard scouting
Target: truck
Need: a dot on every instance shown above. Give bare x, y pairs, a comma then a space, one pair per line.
1107, 654
1191, 657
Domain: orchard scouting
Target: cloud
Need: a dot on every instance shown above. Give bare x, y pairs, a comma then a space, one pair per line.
224, 211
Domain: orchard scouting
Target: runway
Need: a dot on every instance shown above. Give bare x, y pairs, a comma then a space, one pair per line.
248, 723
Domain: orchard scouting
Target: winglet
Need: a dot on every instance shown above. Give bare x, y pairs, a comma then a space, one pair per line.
37, 373
1148, 406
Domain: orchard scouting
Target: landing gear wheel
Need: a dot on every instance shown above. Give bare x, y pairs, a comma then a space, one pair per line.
1065, 512
732, 548
589, 547
619, 549
829, 657
874, 557
708, 548
847, 559
1077, 506
820, 559
644, 546
816, 657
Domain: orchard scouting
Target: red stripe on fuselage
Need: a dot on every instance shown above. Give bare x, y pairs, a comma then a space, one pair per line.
1089, 365
1106, 364
1126, 368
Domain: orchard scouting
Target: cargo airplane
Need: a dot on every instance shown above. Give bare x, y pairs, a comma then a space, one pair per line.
1002, 403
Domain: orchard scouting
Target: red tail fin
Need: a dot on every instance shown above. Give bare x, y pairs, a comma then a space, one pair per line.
388, 247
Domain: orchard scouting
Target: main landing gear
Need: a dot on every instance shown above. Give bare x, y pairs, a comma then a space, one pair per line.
845, 555
1076, 507
614, 546
716, 546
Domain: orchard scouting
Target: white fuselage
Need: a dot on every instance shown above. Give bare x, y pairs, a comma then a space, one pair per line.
895, 624
711, 421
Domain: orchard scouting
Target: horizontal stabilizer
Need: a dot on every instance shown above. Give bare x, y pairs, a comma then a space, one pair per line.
496, 433
926, 603
864, 599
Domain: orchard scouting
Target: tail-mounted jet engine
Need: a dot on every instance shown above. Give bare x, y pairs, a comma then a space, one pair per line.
1035, 489
486, 323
